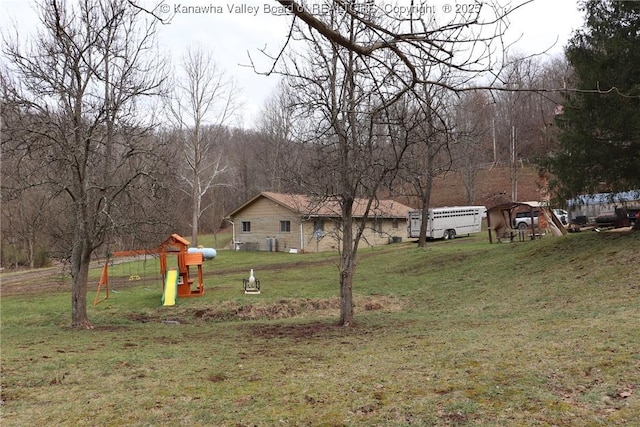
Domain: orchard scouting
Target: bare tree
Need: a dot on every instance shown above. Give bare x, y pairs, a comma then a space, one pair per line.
472, 138
202, 104
24, 220
556, 72
523, 112
428, 156
77, 89
276, 128
514, 114
350, 147
469, 41
23, 208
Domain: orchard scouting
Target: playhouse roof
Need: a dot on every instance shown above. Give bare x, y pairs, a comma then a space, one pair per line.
175, 239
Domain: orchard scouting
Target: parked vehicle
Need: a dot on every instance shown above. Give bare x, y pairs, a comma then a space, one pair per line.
562, 215
580, 220
618, 218
522, 220
447, 222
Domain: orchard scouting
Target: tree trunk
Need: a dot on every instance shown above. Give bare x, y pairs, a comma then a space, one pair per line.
347, 265
426, 200
194, 219
79, 319
80, 258
196, 194
32, 253
346, 290
195, 213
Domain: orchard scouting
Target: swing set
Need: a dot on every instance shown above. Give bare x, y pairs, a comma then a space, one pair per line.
184, 280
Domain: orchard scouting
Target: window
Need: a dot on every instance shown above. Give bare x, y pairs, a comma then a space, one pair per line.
285, 226
318, 229
394, 224
246, 226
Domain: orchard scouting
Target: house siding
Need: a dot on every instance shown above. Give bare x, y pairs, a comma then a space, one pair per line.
332, 238
265, 216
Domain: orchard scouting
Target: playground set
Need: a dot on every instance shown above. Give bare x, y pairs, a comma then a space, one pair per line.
177, 282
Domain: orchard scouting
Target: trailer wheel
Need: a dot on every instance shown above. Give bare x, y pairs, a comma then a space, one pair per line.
452, 234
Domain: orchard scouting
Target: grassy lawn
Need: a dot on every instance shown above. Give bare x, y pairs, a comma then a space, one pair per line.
542, 333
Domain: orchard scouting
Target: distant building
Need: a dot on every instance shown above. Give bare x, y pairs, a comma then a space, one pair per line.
592, 205
299, 223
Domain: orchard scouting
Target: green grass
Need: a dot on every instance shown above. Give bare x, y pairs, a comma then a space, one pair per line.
462, 333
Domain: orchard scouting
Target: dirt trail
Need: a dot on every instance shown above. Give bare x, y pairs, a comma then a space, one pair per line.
34, 281
58, 278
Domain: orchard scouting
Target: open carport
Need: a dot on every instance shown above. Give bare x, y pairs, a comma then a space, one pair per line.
500, 221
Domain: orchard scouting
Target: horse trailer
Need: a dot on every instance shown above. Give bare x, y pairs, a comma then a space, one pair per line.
447, 222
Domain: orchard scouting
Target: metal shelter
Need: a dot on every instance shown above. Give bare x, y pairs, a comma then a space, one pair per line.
500, 221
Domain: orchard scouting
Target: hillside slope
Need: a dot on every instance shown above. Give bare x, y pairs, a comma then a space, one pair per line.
489, 185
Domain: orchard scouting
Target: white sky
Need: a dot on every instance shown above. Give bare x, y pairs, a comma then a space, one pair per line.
232, 34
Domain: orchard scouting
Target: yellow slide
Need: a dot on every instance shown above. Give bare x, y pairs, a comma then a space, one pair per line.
170, 287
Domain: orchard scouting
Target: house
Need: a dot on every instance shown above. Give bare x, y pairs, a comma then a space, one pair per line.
300, 223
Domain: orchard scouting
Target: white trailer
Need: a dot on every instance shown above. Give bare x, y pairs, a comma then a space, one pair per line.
447, 222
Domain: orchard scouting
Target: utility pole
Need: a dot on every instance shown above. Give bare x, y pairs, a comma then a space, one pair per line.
495, 152
514, 166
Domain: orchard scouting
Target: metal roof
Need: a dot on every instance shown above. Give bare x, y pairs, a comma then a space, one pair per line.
605, 198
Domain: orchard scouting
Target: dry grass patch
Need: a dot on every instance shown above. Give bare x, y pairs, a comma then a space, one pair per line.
284, 308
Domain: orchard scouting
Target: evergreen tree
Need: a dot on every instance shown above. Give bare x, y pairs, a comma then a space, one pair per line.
599, 139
